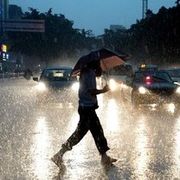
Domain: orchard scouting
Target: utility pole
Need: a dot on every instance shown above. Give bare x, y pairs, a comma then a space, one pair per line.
144, 8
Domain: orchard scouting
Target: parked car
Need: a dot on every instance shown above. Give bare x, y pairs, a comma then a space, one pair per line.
151, 88
55, 83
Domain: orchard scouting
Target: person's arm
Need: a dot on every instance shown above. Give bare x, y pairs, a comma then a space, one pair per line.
99, 91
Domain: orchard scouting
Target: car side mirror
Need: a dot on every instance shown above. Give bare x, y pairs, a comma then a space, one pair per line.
35, 79
177, 83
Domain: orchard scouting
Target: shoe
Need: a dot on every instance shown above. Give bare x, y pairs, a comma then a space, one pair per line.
106, 160
57, 159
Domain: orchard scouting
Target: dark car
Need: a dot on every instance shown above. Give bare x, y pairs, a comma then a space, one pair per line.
55, 84
154, 87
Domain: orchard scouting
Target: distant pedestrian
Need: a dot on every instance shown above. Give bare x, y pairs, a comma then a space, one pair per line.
88, 118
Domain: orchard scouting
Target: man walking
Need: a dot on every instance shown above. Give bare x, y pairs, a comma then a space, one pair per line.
88, 117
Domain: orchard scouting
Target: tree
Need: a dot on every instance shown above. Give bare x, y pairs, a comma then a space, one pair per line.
59, 40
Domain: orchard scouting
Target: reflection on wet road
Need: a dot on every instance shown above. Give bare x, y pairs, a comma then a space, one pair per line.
41, 143
146, 142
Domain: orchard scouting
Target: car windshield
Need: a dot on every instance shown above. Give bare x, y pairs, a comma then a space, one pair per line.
156, 76
174, 72
56, 74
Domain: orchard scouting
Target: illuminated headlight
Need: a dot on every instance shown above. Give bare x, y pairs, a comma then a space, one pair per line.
75, 86
112, 84
171, 107
178, 90
142, 90
41, 87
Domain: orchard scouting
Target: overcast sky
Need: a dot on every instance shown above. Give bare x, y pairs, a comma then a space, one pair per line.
95, 15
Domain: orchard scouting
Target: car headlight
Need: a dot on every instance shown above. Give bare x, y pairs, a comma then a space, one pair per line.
75, 86
112, 84
41, 87
142, 90
178, 90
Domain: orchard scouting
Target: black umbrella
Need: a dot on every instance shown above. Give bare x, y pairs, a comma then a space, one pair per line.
108, 59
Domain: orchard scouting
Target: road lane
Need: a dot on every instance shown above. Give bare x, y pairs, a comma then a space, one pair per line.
146, 143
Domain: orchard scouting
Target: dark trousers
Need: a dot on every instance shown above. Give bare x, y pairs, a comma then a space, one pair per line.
88, 121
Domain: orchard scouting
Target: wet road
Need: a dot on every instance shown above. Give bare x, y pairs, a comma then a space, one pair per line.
147, 144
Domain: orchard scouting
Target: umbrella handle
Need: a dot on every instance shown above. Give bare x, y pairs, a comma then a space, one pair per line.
106, 76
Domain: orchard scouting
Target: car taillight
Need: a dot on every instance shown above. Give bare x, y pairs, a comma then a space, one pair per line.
148, 80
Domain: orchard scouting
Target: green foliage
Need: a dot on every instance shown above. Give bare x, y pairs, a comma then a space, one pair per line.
60, 38
155, 38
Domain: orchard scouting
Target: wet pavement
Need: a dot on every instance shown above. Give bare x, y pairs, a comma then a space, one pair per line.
146, 143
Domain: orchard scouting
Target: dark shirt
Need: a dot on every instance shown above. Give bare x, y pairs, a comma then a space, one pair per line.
87, 82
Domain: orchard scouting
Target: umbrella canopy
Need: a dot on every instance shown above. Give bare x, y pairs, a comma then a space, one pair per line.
108, 59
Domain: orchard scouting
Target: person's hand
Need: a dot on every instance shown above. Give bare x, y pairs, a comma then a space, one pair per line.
106, 88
